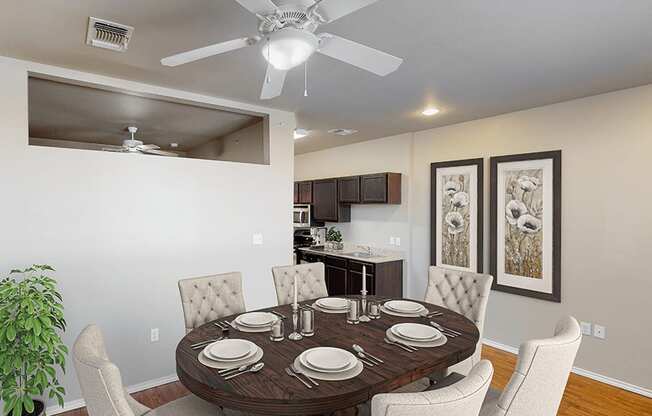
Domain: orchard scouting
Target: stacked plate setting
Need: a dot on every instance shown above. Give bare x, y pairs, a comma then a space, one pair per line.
330, 364
404, 308
416, 335
230, 353
255, 321
332, 305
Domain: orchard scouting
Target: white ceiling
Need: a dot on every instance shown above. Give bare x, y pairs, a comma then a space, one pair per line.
471, 58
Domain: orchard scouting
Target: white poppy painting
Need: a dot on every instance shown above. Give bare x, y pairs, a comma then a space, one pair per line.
457, 214
525, 224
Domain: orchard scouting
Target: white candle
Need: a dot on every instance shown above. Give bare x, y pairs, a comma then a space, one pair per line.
296, 289
364, 278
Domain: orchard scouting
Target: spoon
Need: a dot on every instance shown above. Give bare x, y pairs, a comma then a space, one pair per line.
361, 350
254, 369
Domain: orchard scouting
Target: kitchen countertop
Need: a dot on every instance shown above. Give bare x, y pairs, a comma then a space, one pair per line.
379, 256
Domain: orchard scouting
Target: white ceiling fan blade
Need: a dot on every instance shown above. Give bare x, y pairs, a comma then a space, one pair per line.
261, 7
273, 84
148, 147
119, 149
207, 51
334, 9
373, 60
159, 153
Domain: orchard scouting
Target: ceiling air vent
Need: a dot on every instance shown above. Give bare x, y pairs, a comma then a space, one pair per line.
342, 132
108, 35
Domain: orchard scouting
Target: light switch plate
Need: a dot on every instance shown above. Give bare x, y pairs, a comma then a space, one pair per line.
257, 239
600, 331
153, 335
586, 328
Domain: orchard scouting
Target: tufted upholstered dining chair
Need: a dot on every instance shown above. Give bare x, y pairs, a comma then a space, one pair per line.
466, 293
207, 298
310, 278
463, 398
102, 388
539, 380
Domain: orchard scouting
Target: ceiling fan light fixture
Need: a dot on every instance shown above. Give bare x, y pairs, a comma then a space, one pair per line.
430, 111
289, 47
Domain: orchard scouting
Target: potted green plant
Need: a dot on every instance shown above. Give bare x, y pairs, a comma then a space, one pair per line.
334, 236
31, 320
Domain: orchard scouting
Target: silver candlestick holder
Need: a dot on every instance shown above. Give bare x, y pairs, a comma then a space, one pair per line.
363, 306
295, 335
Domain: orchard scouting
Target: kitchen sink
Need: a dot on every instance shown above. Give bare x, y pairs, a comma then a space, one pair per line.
361, 255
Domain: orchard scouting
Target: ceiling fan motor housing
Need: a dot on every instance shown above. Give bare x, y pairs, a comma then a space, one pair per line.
289, 16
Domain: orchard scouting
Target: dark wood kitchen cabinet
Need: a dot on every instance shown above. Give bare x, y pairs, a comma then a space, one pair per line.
380, 188
305, 192
344, 276
325, 203
349, 190
296, 192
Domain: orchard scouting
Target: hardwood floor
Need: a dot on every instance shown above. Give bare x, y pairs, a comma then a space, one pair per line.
583, 396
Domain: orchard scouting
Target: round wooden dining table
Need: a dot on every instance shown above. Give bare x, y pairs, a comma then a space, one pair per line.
273, 392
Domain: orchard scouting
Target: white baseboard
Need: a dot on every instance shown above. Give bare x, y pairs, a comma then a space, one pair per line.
582, 372
76, 404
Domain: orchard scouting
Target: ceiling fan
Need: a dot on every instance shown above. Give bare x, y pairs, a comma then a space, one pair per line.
289, 40
136, 146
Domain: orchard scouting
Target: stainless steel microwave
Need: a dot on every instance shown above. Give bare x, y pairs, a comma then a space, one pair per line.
301, 216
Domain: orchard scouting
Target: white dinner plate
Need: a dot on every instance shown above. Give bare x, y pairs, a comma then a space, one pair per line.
404, 306
327, 359
419, 344
333, 303
244, 328
256, 319
415, 332
221, 365
230, 349
317, 307
404, 315
339, 376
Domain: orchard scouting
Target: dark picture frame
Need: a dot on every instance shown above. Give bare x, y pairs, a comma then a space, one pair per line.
555, 156
479, 208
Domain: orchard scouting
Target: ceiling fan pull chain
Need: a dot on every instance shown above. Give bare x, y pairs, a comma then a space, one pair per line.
305, 79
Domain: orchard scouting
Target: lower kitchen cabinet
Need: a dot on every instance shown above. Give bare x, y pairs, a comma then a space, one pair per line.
344, 276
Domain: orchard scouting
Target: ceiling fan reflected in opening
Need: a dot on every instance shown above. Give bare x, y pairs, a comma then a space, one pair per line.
288, 36
134, 146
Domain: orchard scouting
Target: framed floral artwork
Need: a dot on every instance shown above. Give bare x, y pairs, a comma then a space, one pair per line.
526, 224
456, 214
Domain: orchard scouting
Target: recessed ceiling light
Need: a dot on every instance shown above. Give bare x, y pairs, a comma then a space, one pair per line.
300, 133
430, 111
175, 145
342, 132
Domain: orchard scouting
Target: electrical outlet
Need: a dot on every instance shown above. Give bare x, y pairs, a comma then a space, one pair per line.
153, 335
257, 239
398, 241
586, 328
392, 241
600, 331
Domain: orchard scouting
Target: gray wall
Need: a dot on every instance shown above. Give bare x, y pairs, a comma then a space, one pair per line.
607, 218
121, 230
245, 145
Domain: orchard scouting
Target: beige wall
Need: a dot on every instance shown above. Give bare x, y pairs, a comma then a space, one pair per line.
245, 145
606, 142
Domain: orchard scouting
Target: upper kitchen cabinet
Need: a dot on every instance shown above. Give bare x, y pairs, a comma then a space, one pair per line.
380, 188
296, 192
304, 190
349, 190
325, 202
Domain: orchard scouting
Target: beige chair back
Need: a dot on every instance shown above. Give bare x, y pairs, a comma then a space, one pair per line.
207, 298
99, 379
463, 398
466, 293
311, 282
538, 383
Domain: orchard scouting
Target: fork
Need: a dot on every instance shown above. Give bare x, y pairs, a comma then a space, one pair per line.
204, 343
448, 332
297, 370
291, 374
